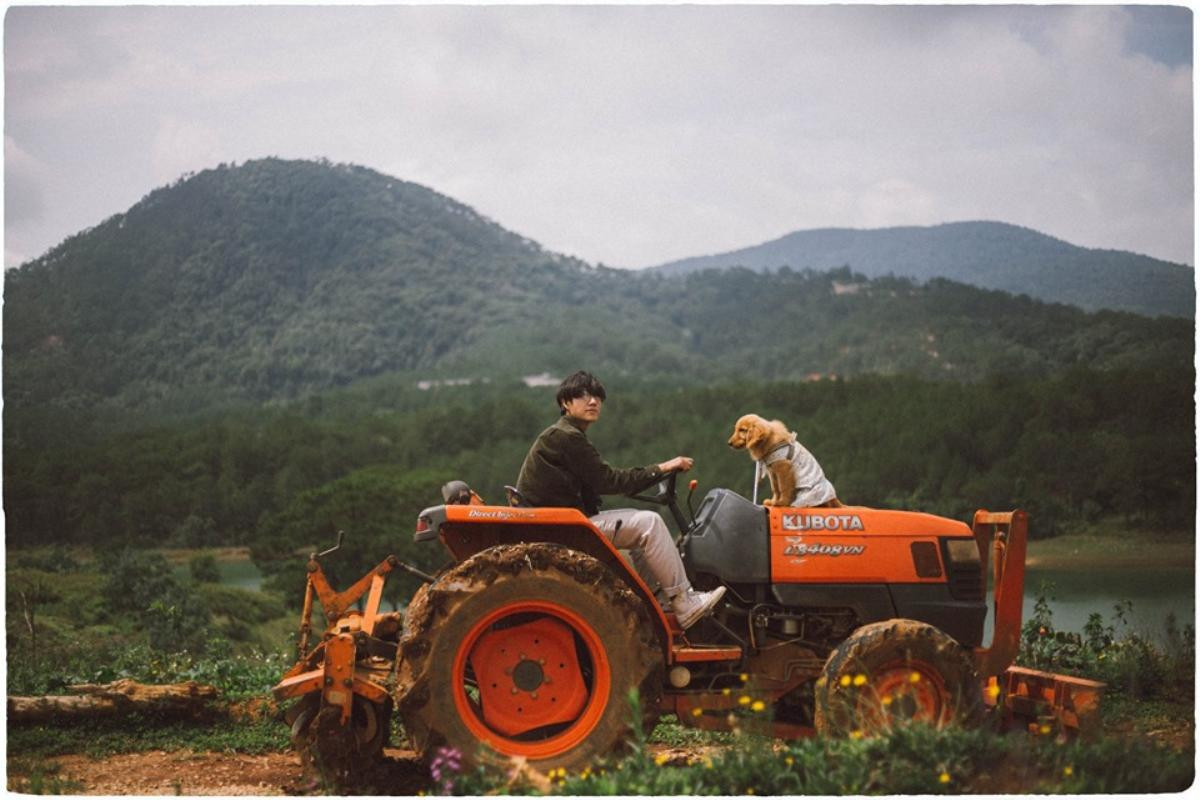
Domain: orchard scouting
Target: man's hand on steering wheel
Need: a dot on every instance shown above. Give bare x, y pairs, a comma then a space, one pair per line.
676, 464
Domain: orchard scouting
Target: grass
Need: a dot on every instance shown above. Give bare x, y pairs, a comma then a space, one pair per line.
39, 777
910, 760
134, 733
1111, 546
671, 733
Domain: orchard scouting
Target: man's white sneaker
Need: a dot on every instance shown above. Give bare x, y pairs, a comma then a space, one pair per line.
692, 606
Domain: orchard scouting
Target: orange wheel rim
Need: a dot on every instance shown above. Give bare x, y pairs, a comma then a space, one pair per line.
540, 679
907, 691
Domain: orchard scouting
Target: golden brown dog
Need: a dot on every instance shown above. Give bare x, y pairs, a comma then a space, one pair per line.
759, 437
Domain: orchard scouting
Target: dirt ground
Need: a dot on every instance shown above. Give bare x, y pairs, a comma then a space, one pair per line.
231, 774
172, 773
184, 772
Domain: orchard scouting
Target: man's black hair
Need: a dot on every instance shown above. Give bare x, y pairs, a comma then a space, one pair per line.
577, 385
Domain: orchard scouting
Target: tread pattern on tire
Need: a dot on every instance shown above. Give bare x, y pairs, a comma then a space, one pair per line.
421, 657
880, 642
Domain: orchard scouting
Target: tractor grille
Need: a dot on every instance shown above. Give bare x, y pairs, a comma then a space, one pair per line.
966, 583
964, 571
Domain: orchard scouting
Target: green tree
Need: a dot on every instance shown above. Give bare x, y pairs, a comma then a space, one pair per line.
203, 568
142, 583
376, 508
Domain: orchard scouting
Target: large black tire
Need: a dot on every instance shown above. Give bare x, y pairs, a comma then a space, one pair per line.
531, 650
893, 673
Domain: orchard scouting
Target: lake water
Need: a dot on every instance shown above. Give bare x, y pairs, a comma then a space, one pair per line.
242, 574
239, 572
1074, 594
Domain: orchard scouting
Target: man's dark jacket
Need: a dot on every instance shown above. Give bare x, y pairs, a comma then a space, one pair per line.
564, 469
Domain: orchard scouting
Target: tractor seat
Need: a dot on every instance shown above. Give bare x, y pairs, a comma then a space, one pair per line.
458, 493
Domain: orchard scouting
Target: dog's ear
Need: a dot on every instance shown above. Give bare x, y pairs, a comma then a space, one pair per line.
756, 432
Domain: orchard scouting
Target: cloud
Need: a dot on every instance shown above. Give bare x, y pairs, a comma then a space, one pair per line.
23, 178
183, 146
635, 134
24, 201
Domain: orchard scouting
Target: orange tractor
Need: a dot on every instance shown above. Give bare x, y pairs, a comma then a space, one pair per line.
835, 620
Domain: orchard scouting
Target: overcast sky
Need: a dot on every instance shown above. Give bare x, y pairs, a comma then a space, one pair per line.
625, 135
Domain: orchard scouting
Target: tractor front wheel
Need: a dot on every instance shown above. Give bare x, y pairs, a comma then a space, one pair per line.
894, 673
529, 650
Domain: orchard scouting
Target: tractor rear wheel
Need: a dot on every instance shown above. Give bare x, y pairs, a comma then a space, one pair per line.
531, 650
894, 673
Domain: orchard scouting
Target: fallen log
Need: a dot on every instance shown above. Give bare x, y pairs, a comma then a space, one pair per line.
118, 697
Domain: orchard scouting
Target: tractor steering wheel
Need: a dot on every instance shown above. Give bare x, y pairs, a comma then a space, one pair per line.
661, 493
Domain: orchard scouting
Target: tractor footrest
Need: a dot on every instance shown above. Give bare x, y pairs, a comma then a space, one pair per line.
1036, 698
690, 653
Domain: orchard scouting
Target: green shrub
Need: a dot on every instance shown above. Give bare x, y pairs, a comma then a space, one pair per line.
246, 605
909, 760
56, 559
1127, 661
203, 568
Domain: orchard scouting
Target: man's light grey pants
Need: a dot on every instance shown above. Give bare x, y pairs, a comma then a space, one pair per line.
646, 537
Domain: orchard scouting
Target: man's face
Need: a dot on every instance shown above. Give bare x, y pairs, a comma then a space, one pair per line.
586, 407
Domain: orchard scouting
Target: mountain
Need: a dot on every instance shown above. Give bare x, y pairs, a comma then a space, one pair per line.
274, 280
991, 255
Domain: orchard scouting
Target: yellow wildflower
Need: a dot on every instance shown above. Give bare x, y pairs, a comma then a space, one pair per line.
856, 734
750, 790
944, 777
743, 700
758, 705
1044, 729
661, 759
789, 761
697, 711
725, 691
707, 763
821, 681
860, 679
886, 700
845, 681
743, 677
914, 677
1068, 770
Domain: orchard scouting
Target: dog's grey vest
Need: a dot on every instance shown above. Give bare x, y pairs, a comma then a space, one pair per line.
812, 487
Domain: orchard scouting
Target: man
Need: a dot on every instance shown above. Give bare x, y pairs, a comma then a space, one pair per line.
564, 469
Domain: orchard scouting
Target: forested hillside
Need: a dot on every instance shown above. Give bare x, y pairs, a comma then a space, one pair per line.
275, 280
236, 360
991, 255
1074, 449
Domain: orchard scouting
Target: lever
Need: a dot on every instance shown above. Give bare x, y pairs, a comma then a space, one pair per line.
341, 535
